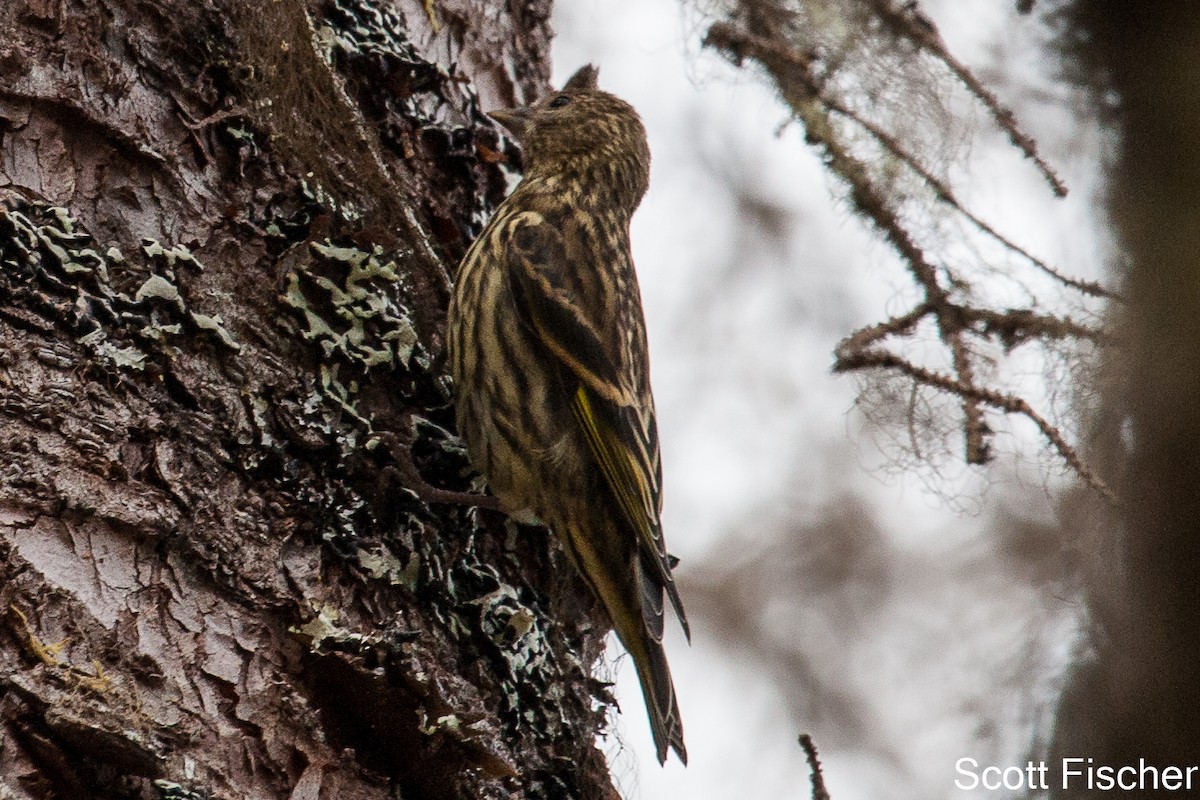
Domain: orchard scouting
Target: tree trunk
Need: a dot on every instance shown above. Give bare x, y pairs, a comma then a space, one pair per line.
227, 232
1135, 697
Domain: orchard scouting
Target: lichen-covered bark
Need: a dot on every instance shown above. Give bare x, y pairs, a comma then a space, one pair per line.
226, 232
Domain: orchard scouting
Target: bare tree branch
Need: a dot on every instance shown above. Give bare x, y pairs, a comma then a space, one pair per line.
806, 73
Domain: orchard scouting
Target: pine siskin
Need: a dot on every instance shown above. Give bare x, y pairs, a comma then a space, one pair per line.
548, 353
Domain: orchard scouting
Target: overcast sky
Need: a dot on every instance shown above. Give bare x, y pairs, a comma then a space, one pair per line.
743, 314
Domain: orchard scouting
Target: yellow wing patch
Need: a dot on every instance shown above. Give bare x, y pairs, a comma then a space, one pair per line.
628, 479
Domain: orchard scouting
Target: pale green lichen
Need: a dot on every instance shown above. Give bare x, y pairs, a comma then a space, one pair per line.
514, 628
342, 394
243, 136
349, 302
323, 630
383, 565
159, 287
317, 194
259, 408
355, 310
46, 247
519, 633
128, 357
216, 326
320, 627
447, 723
162, 288
170, 790
170, 255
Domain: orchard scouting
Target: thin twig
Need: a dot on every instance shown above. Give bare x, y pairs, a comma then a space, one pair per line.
1015, 326
908, 21
1007, 403
895, 326
814, 765
946, 195
975, 430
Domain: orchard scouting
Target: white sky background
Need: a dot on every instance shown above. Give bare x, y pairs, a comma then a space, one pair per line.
756, 430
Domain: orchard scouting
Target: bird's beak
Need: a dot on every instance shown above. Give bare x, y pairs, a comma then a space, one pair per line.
515, 119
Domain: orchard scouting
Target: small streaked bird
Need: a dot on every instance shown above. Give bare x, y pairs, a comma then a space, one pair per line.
547, 347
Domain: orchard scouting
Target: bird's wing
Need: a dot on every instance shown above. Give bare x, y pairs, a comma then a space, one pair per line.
619, 426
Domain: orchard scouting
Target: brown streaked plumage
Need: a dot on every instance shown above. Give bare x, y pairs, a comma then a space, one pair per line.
548, 353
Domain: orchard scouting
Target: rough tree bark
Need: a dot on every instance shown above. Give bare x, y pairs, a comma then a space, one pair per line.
226, 235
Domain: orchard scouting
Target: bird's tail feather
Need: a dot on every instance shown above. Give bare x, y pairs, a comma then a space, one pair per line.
659, 693
635, 607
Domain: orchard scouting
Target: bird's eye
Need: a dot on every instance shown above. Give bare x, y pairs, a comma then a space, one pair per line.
560, 101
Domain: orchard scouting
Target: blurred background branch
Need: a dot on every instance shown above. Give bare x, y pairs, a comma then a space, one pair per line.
866, 81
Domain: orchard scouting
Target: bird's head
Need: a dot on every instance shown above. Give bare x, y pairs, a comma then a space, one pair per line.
580, 129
